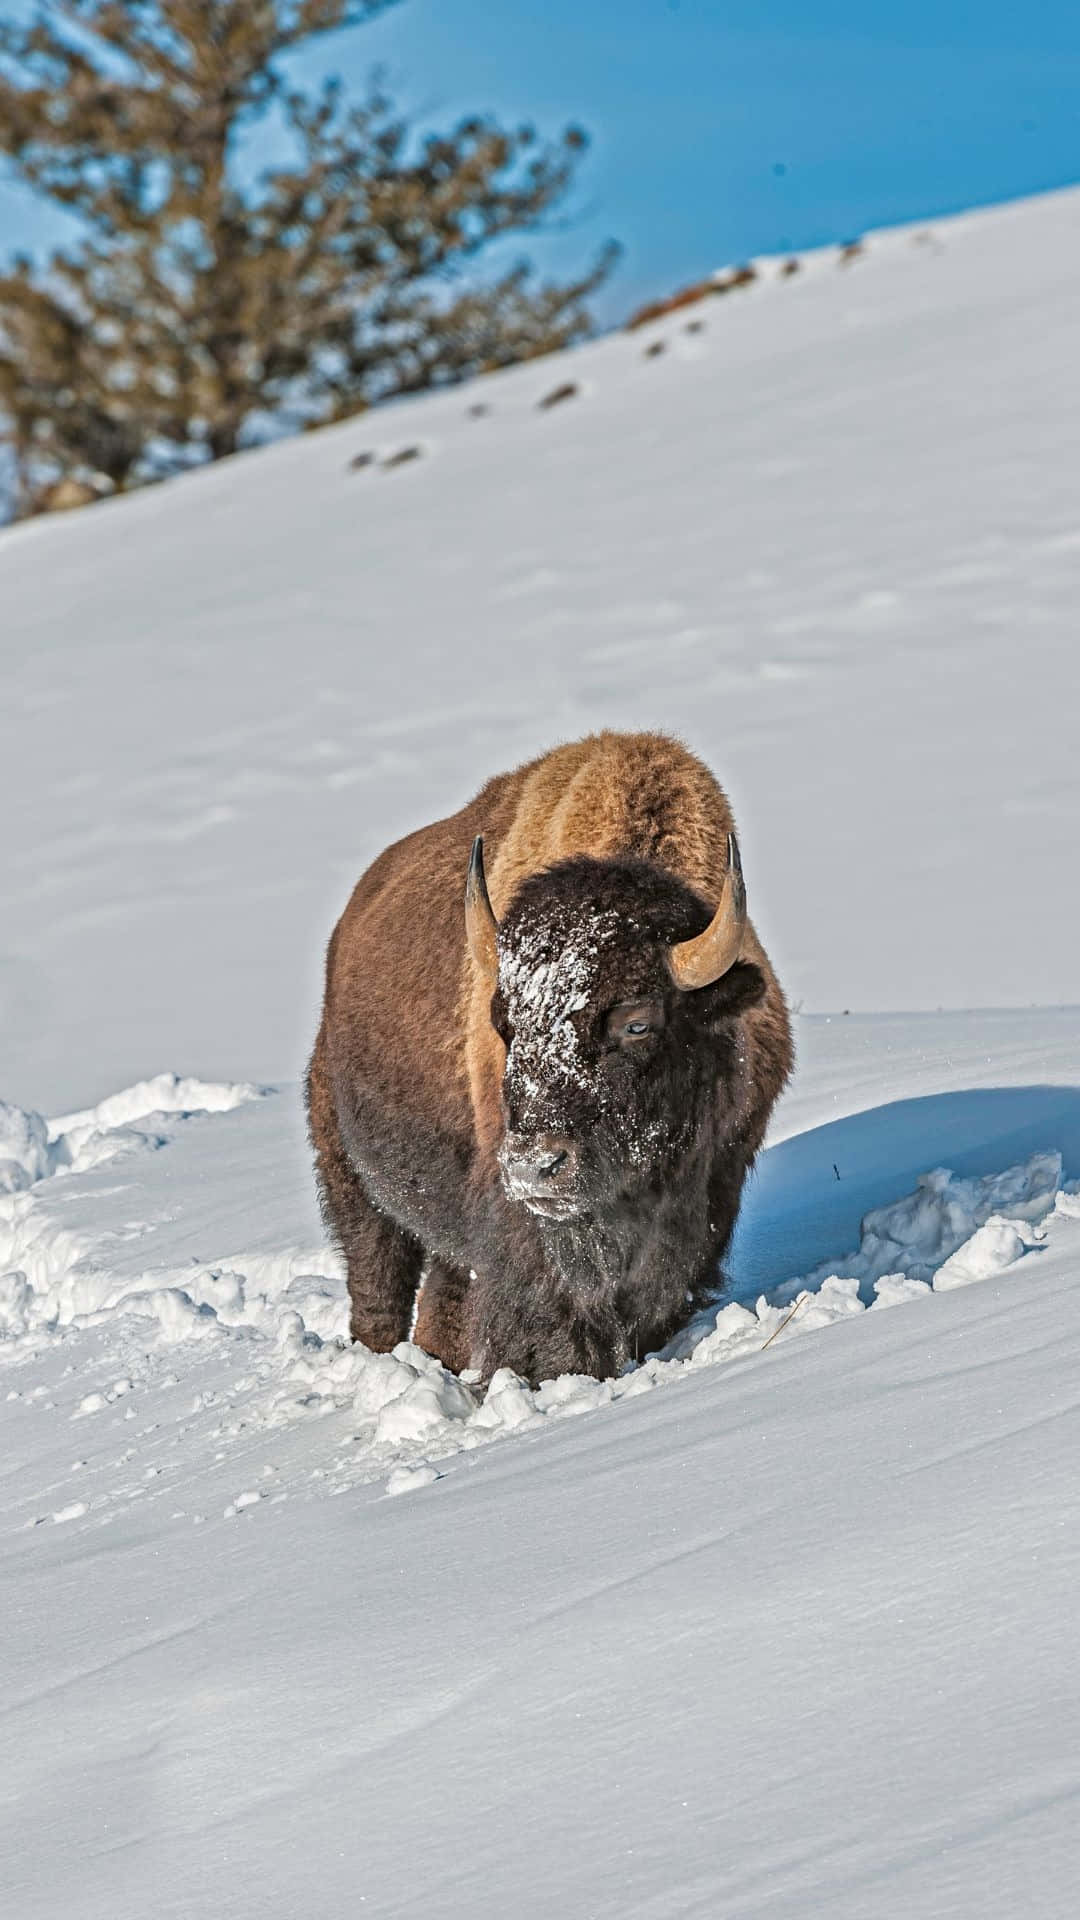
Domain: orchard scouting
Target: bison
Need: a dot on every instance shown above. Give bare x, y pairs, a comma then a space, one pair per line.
536, 1106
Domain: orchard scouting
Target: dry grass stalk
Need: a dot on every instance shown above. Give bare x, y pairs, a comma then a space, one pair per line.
784, 1322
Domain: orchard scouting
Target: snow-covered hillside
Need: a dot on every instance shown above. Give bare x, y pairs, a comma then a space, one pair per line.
780, 1623
833, 540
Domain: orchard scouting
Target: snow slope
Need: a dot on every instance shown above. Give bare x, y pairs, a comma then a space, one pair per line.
833, 540
780, 1623
760, 1629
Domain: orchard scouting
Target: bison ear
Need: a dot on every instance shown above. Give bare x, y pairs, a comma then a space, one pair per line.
740, 988
698, 962
481, 926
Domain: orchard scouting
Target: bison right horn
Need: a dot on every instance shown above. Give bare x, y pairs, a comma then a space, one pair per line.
481, 926
698, 962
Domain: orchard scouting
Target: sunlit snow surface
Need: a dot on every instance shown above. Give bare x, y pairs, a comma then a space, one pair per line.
780, 1623
754, 1629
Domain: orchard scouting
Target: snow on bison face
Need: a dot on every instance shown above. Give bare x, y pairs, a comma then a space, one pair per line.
614, 1071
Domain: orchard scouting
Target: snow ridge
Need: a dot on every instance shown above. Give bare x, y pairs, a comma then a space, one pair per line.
32, 1148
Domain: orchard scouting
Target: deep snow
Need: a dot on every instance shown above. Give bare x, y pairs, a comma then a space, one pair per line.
774, 1625
772, 1629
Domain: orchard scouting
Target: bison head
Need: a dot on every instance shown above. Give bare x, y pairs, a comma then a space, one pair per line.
617, 994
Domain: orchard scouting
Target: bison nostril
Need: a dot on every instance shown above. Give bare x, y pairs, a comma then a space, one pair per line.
547, 1168
539, 1163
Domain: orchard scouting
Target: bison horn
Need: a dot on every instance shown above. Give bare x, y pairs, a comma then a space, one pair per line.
698, 962
481, 926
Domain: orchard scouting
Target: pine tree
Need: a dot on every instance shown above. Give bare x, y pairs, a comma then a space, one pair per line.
198, 306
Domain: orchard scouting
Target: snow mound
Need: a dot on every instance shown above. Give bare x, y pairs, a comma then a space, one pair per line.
165, 1093
926, 1238
995, 1246
33, 1148
25, 1153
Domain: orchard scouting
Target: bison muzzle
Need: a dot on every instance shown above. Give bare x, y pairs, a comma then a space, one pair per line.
539, 1112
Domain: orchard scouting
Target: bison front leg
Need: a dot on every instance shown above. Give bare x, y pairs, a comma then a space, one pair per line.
383, 1262
441, 1315
536, 1332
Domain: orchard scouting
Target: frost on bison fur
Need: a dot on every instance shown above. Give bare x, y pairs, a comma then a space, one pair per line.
541, 1101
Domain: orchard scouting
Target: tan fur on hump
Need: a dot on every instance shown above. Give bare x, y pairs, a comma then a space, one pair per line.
614, 793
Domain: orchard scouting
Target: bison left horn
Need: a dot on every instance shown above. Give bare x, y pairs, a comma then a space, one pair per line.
698, 962
481, 926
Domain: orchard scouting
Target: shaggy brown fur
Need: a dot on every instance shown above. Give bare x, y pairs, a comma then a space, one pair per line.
409, 1082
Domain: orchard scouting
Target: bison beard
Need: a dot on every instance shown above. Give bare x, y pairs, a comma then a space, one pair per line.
547, 1118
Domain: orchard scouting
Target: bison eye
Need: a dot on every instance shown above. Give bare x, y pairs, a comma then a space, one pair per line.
635, 1020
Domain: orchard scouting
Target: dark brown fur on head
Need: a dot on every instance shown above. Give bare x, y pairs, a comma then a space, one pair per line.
644, 1102
578, 943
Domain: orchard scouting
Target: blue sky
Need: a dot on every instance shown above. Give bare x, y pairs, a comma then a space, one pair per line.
723, 128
